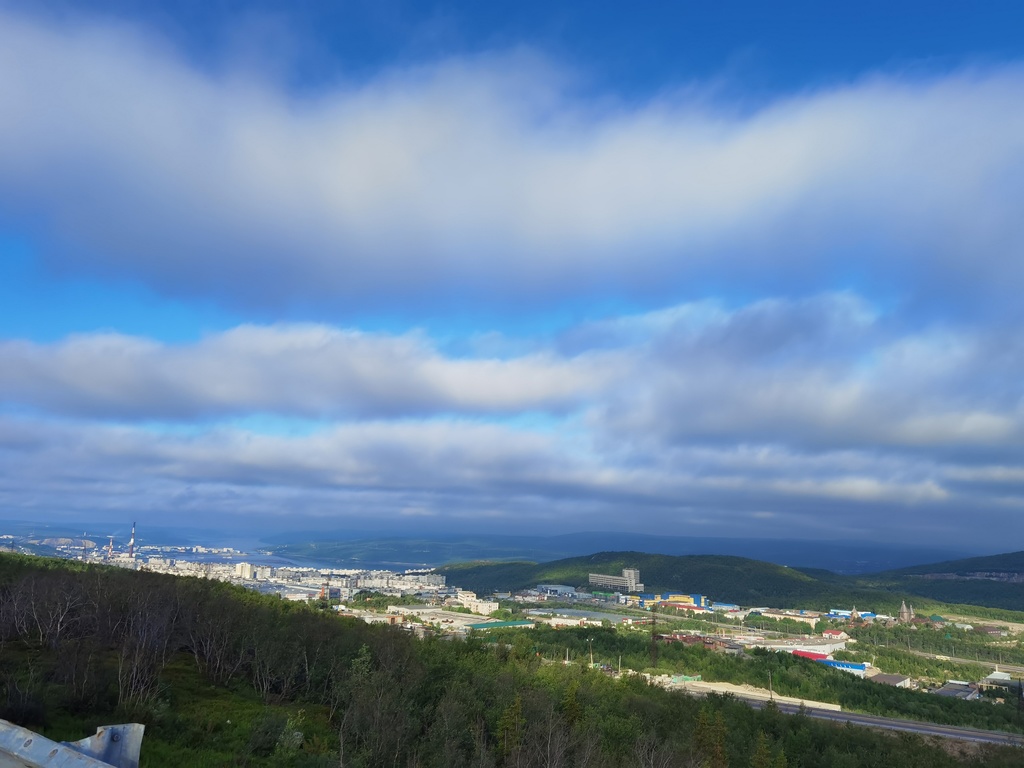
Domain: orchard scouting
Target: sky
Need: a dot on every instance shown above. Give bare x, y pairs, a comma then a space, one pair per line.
708, 269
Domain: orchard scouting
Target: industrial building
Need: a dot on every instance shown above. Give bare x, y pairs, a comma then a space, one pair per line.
629, 581
835, 634
502, 625
556, 590
847, 666
959, 689
469, 600
808, 645
896, 681
677, 600
810, 618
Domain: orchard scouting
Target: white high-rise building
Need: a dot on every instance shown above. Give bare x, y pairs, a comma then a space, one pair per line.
629, 581
245, 570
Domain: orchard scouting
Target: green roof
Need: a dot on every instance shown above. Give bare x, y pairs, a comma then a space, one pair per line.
501, 624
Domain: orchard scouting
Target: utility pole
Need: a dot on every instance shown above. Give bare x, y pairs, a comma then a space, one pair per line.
591, 641
771, 692
654, 631
1020, 696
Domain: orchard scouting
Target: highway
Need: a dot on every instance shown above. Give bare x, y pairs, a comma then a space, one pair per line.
1011, 668
906, 726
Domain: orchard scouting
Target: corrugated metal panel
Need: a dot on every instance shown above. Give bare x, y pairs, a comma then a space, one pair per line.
114, 746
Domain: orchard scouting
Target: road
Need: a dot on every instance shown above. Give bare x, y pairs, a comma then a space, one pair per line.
1013, 669
906, 726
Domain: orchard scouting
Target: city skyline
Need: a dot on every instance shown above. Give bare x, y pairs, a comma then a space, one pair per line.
450, 268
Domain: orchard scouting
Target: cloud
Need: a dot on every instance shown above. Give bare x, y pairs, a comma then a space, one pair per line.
867, 380
452, 471
823, 373
312, 371
820, 415
489, 180
826, 373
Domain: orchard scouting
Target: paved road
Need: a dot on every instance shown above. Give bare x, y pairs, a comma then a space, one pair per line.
1011, 668
908, 726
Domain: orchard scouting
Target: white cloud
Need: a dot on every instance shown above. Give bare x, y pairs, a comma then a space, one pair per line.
291, 370
820, 374
824, 373
475, 181
478, 182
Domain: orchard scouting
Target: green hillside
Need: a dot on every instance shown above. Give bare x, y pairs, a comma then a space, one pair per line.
221, 676
1008, 562
753, 582
727, 579
992, 581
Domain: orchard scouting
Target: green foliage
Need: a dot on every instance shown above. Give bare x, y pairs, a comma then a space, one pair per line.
896, 661
786, 626
791, 675
960, 590
762, 757
755, 583
1009, 562
948, 641
709, 738
249, 680
376, 601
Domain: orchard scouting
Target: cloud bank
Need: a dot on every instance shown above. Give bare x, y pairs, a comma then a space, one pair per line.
790, 317
311, 371
818, 414
490, 180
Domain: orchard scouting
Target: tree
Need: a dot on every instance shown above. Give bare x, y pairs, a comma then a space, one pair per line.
510, 727
762, 757
710, 738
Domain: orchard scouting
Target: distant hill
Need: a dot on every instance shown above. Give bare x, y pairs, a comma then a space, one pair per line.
488, 563
992, 567
724, 578
848, 557
995, 581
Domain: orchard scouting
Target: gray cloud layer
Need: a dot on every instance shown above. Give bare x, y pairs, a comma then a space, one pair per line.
479, 181
488, 181
817, 413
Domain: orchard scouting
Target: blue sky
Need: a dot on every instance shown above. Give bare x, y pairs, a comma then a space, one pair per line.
481, 266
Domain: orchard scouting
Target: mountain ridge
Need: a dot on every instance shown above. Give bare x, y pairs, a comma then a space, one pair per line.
727, 578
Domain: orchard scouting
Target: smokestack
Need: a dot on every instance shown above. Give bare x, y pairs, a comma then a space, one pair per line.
131, 543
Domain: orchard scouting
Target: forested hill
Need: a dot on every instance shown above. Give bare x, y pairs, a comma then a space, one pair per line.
1008, 563
728, 579
991, 582
222, 676
996, 581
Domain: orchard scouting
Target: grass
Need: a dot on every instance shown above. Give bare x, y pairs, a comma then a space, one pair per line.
198, 724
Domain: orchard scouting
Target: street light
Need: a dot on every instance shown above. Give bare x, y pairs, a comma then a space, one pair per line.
591, 641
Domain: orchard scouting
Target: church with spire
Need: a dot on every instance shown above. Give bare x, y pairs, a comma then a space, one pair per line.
906, 614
